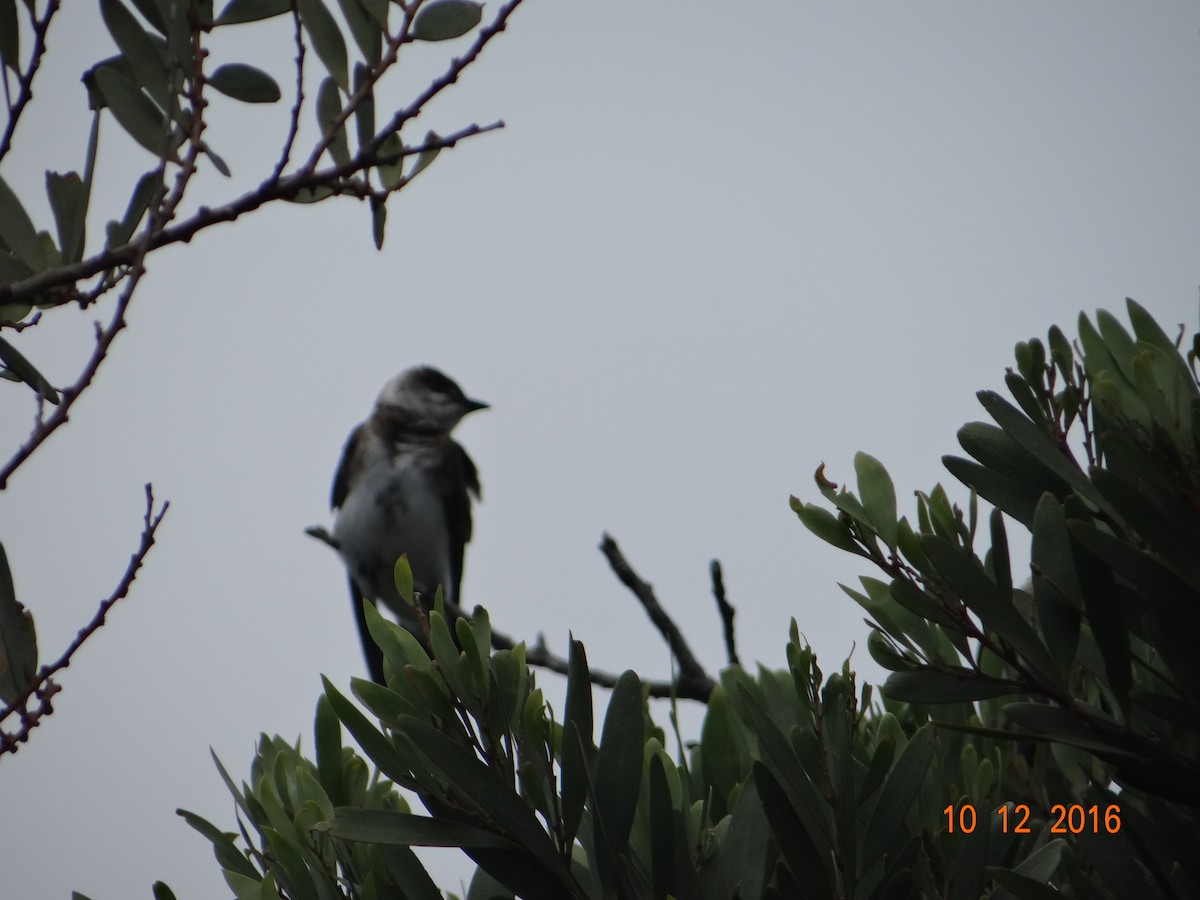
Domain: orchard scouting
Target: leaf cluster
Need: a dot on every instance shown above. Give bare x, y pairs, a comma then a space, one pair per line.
1088, 663
798, 786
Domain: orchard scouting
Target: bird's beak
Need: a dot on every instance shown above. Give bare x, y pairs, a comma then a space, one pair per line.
473, 405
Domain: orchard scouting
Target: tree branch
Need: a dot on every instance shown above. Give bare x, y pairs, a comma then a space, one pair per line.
727, 612
43, 687
182, 232
691, 673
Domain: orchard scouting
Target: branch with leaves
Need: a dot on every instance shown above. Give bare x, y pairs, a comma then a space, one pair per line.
158, 89
692, 683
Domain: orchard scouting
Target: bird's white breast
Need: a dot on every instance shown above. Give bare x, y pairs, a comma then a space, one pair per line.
391, 509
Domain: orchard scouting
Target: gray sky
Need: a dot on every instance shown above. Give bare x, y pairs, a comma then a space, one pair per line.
714, 246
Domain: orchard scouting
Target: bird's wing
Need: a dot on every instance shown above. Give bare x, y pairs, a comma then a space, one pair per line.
460, 480
341, 478
470, 473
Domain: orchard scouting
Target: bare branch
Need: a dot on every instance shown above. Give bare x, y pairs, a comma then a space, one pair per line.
691, 673
727, 612
294, 125
43, 687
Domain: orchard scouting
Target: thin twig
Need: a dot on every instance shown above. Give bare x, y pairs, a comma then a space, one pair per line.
294, 124
727, 612
43, 687
25, 94
46, 427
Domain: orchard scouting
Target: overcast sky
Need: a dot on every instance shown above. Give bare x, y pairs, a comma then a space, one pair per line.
715, 245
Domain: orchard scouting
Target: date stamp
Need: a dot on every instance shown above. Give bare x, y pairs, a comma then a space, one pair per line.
1014, 818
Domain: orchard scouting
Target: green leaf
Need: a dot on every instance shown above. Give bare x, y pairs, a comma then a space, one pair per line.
385, 826
899, 792
1036, 869
375, 745
364, 112
987, 600
804, 853
12, 269
24, 370
785, 769
1162, 518
238, 11
10, 36
409, 875
119, 233
329, 107
218, 163
11, 313
1059, 725
402, 576
935, 686
878, 496
619, 761
367, 32
18, 639
152, 12
452, 663
378, 224
887, 654
662, 831
921, 604
1039, 445
137, 48
68, 196
425, 157
577, 754
477, 787
17, 231
391, 174
328, 734
378, 10
1007, 476
245, 83
327, 40
386, 704
1180, 713
135, 111
1055, 583
880, 765
446, 19
1060, 350
224, 848
743, 859
826, 526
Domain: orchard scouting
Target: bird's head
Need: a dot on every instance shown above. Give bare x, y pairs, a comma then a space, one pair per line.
423, 394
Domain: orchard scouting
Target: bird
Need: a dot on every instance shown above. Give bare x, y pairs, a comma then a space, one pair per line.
403, 486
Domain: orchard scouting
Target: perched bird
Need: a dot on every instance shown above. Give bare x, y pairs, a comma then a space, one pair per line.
403, 486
